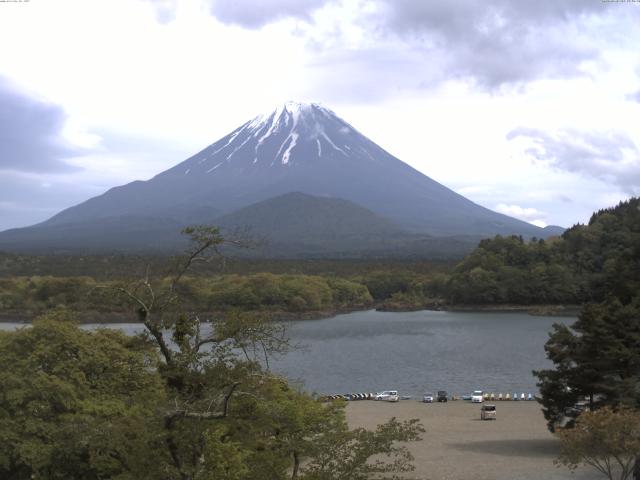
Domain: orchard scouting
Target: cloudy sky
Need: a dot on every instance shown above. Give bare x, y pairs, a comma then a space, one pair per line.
530, 108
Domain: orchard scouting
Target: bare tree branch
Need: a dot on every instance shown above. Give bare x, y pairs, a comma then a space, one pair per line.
207, 414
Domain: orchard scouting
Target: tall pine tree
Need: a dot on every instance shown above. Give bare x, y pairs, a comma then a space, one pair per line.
598, 357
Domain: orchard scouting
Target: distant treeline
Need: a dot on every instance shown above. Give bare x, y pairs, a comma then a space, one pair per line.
585, 264
30, 285
264, 291
105, 267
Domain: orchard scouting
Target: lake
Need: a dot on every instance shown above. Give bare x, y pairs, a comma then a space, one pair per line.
412, 352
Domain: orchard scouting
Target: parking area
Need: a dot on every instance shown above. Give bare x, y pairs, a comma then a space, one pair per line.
458, 445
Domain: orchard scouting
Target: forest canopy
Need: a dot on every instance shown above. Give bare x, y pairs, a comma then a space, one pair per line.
587, 263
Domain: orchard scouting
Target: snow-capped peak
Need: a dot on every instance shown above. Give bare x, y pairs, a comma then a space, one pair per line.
289, 111
292, 134
293, 121
297, 107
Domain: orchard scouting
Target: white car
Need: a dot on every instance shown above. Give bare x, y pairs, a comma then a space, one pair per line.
388, 396
477, 396
428, 397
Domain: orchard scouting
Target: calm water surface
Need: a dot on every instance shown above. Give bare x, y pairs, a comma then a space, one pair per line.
413, 351
419, 351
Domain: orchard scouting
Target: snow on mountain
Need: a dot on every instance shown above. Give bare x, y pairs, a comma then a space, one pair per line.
275, 138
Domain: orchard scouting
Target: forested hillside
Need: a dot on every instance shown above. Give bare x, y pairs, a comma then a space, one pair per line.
587, 263
597, 358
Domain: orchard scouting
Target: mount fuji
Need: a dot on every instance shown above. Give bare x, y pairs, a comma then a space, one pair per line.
298, 148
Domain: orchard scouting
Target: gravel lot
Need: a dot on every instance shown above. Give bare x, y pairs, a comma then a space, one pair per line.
457, 445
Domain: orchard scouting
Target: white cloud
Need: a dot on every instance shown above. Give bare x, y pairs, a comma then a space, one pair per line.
528, 214
539, 223
523, 213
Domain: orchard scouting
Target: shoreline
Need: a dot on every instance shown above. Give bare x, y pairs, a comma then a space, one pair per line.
535, 310
128, 317
284, 316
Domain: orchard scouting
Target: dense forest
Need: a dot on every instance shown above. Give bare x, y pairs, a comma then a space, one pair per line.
587, 263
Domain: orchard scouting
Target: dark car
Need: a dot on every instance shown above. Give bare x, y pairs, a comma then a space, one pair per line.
442, 396
488, 412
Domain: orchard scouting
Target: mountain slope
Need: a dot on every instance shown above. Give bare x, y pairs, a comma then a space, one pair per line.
300, 225
296, 148
125, 233
303, 218
293, 225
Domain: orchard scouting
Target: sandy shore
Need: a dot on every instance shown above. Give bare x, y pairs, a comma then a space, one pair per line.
457, 445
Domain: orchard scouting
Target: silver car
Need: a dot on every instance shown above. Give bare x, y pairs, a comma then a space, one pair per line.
388, 396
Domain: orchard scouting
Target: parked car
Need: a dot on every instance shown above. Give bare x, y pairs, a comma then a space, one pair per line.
388, 396
477, 396
428, 397
488, 412
442, 396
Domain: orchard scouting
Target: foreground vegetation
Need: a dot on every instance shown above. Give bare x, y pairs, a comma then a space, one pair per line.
597, 358
605, 439
177, 402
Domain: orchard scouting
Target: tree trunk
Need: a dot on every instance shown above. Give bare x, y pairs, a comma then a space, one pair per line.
636, 469
296, 465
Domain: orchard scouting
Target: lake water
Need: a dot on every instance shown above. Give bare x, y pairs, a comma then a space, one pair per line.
413, 352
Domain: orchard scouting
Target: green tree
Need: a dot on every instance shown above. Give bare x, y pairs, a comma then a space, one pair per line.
606, 440
598, 358
188, 399
343, 453
77, 404
227, 415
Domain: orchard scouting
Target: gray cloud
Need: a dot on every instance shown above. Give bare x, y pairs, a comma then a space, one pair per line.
634, 97
347, 76
497, 42
30, 134
165, 10
467, 18
28, 198
609, 156
563, 198
255, 14
494, 43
